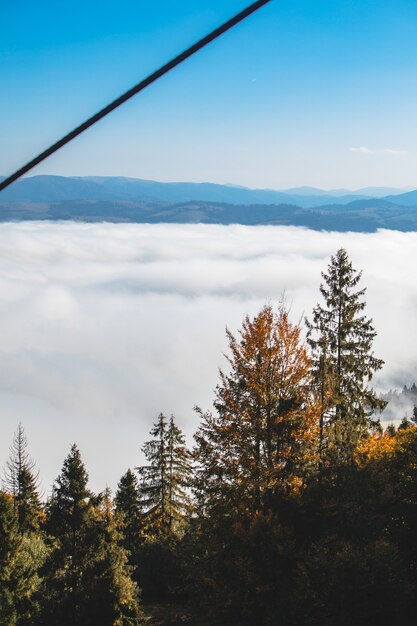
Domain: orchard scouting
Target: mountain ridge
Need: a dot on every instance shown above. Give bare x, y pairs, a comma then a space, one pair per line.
47, 188
117, 199
358, 216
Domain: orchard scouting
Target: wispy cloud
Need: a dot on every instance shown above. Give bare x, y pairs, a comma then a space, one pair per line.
362, 150
392, 152
386, 151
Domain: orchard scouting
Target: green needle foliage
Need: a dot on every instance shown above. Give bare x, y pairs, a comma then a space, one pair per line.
22, 556
88, 580
340, 337
129, 511
166, 480
22, 481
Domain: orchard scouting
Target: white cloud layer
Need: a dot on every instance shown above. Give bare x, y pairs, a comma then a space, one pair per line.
103, 326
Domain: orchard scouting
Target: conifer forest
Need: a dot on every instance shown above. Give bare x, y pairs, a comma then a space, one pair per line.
293, 506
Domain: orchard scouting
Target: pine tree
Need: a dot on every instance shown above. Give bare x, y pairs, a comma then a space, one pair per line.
129, 510
67, 517
179, 477
68, 507
341, 338
164, 481
264, 434
87, 576
110, 597
208, 483
154, 481
9, 544
21, 557
22, 481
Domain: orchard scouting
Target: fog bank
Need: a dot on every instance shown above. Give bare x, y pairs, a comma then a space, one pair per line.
105, 325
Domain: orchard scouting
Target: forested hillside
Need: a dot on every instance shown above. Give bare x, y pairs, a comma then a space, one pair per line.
293, 507
112, 199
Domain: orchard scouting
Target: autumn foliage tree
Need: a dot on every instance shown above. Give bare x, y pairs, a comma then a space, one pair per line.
263, 437
253, 454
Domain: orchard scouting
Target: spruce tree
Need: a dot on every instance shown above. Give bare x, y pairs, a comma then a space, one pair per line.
154, 479
340, 337
87, 576
179, 477
69, 504
209, 482
67, 516
110, 596
128, 508
22, 556
164, 481
21, 480
9, 544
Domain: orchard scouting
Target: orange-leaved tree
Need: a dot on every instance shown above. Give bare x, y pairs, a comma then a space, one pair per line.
263, 437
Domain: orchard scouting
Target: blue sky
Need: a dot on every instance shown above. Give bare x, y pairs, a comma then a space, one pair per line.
303, 93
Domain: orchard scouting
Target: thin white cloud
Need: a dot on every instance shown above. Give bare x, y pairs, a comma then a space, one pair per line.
386, 151
392, 152
362, 150
105, 325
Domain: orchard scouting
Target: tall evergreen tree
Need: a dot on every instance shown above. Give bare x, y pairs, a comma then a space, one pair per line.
88, 579
68, 507
264, 434
21, 557
9, 544
110, 595
67, 516
22, 481
154, 479
341, 337
166, 478
128, 508
179, 477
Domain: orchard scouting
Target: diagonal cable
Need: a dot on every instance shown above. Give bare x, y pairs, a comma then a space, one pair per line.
135, 90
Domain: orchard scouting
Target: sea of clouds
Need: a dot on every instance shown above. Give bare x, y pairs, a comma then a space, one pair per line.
103, 326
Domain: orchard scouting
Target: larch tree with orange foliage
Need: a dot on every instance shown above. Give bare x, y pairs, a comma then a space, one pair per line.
264, 434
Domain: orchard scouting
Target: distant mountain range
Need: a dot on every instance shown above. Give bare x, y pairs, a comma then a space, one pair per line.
61, 188
134, 200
